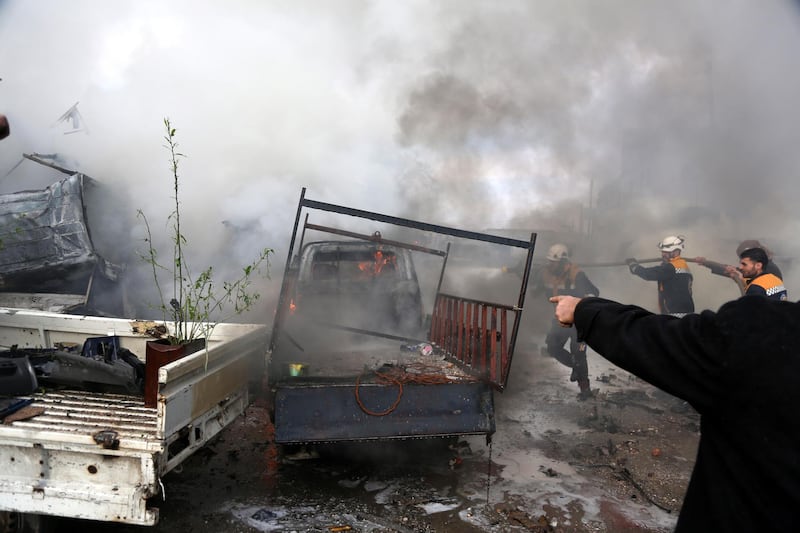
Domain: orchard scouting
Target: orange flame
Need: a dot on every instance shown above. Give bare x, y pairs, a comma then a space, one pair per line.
375, 267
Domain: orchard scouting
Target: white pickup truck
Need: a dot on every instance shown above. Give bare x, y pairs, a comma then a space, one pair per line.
54, 463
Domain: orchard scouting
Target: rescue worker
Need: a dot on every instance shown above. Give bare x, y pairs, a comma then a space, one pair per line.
673, 277
560, 276
753, 267
733, 272
739, 369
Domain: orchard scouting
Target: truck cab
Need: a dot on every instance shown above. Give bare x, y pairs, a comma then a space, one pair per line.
374, 285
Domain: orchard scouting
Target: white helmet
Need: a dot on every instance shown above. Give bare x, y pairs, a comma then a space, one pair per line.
557, 252
672, 243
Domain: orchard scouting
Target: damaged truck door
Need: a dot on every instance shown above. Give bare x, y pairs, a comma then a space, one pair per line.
354, 356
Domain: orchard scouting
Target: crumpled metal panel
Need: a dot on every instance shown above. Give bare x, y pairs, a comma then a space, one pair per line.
44, 226
45, 241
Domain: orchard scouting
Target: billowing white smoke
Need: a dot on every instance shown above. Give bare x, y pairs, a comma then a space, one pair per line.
633, 119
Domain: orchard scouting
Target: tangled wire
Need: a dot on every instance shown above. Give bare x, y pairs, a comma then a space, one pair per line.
393, 375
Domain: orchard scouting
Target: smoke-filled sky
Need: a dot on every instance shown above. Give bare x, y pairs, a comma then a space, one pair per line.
665, 117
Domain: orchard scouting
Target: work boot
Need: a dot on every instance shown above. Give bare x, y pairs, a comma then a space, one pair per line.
586, 391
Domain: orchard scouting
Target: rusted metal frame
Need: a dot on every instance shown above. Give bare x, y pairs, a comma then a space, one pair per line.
476, 336
444, 265
480, 302
312, 204
437, 321
435, 333
452, 322
373, 238
460, 333
469, 348
492, 337
484, 317
432, 334
303, 234
452, 330
504, 346
520, 306
442, 323
408, 223
467, 330
282, 308
333, 325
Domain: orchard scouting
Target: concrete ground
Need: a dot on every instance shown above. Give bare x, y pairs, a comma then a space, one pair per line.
618, 462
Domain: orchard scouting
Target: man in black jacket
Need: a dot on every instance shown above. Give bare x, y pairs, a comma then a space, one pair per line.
740, 369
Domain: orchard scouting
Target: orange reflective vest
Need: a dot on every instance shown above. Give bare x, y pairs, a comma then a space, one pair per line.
768, 285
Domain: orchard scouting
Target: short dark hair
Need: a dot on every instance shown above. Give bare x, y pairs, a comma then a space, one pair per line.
757, 255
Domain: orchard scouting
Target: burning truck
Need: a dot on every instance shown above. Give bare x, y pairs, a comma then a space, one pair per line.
354, 356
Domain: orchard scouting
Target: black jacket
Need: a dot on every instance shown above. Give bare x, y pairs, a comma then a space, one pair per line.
740, 369
674, 284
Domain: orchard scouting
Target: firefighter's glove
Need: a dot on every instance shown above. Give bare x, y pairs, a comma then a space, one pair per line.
633, 265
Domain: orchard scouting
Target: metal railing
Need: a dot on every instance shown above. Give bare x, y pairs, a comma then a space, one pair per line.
476, 334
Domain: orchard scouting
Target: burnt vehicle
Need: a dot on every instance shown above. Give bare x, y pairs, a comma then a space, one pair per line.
354, 356
92, 449
375, 284
100, 365
59, 247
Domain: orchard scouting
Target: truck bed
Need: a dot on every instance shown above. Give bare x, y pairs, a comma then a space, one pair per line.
76, 416
347, 364
379, 394
101, 456
365, 283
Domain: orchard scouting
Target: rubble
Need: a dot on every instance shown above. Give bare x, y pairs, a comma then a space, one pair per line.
544, 471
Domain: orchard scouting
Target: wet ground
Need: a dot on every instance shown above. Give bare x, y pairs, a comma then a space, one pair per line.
618, 462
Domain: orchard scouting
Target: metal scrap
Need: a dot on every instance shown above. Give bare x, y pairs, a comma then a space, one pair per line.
108, 438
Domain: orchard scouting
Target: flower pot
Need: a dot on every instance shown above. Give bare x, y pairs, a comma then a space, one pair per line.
159, 353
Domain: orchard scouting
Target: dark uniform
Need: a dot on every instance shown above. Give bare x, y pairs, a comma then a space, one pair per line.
674, 285
740, 369
571, 281
768, 285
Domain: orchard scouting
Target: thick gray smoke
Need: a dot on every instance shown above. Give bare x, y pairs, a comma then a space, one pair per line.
624, 120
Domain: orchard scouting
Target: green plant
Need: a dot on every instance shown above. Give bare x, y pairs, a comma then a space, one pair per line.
197, 304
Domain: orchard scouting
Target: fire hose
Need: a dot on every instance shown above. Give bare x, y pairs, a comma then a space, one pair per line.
701, 261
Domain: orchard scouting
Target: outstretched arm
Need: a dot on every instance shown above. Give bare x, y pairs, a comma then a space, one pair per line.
655, 273
681, 356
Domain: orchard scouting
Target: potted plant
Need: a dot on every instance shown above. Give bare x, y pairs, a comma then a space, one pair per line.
196, 304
